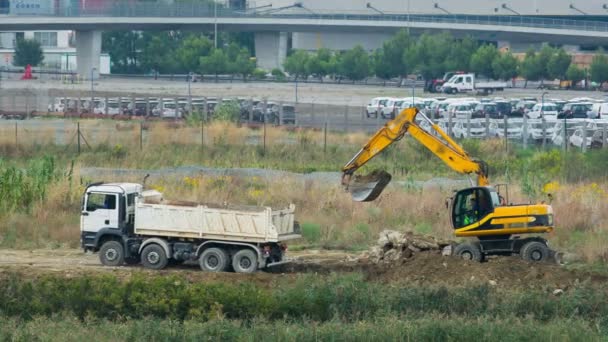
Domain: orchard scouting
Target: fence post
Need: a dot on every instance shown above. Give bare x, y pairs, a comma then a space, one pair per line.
487, 126
132, 104
141, 135
565, 136
525, 132
450, 125
469, 125
161, 106
604, 136
584, 144
544, 128
202, 134
325, 136
177, 109
264, 109
147, 106
378, 117
280, 113
205, 109
250, 110
346, 128
106, 107
78, 104
78, 135
506, 132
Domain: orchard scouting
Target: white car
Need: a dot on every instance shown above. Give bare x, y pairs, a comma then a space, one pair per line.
473, 129
548, 110
514, 129
580, 137
375, 106
535, 129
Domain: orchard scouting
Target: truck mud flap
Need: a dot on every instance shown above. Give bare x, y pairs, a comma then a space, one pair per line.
272, 264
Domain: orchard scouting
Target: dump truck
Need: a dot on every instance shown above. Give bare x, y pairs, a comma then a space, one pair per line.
127, 225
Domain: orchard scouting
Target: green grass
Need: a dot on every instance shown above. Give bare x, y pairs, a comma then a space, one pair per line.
390, 328
341, 308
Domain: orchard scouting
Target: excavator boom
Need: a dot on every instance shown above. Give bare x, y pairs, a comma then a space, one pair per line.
369, 187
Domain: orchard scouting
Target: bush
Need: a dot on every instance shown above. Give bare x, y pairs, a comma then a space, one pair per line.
278, 74
227, 111
311, 232
259, 74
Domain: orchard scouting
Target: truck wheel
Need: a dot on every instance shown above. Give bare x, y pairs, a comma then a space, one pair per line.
213, 260
468, 251
437, 88
245, 261
154, 257
534, 251
112, 253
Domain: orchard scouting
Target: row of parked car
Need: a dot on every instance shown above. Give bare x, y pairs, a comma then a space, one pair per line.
592, 133
174, 108
495, 108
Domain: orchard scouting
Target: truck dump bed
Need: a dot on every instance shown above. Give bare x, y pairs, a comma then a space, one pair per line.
215, 222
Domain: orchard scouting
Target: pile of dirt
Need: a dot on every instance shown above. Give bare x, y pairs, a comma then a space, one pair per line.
396, 247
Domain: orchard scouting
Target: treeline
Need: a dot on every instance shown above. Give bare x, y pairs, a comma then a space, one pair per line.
431, 55
176, 52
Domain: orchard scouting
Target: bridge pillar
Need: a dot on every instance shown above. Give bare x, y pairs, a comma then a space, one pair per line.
270, 49
88, 53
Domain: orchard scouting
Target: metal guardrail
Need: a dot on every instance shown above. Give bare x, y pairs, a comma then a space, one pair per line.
141, 9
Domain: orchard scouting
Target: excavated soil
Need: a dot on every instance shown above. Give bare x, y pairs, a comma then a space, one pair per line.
421, 268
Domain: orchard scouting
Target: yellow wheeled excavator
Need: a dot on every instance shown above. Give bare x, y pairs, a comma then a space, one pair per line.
479, 211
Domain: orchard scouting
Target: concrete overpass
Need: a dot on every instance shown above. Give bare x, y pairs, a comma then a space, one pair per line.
271, 29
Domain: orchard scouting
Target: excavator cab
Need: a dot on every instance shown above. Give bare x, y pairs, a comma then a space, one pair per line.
470, 206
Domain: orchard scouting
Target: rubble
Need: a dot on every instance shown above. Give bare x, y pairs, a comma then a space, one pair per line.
395, 247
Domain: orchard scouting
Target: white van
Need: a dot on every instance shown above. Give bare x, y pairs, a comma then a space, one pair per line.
598, 111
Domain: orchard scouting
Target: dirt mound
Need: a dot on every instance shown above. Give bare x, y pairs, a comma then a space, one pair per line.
412, 259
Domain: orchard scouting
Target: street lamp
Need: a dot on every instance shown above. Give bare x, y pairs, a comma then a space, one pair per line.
369, 5
436, 5
510, 9
215, 23
576, 9
92, 90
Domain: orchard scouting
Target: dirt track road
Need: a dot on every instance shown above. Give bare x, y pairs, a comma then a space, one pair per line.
423, 269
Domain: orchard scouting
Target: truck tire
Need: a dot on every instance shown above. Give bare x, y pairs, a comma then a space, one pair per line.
468, 251
535, 251
213, 260
245, 261
154, 257
112, 253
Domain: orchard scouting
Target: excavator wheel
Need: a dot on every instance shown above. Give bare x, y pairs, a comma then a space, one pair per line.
535, 251
469, 251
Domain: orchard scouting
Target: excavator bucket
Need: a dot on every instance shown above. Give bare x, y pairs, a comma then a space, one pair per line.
369, 187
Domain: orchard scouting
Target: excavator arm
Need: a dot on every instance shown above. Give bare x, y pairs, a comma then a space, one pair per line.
368, 188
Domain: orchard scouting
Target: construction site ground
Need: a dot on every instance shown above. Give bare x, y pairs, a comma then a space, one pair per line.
423, 268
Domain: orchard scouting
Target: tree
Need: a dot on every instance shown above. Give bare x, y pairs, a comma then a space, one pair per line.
380, 66
215, 63
158, 52
575, 74
505, 66
354, 64
296, 64
459, 55
28, 51
543, 58
430, 55
243, 64
191, 50
558, 64
482, 60
599, 68
531, 68
392, 55
124, 48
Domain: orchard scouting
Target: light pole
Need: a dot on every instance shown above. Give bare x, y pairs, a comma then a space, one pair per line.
572, 7
510, 9
369, 5
92, 90
215, 23
542, 118
436, 5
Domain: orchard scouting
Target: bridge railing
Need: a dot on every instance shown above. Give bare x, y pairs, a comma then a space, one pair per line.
122, 8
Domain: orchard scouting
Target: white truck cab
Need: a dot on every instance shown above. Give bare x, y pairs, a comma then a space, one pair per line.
463, 83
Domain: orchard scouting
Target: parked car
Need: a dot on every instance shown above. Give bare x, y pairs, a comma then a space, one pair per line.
503, 107
580, 138
514, 129
548, 110
486, 108
574, 110
598, 111
375, 106
522, 108
473, 129
535, 129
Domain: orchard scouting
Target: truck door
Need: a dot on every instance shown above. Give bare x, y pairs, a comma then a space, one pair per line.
468, 83
100, 210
